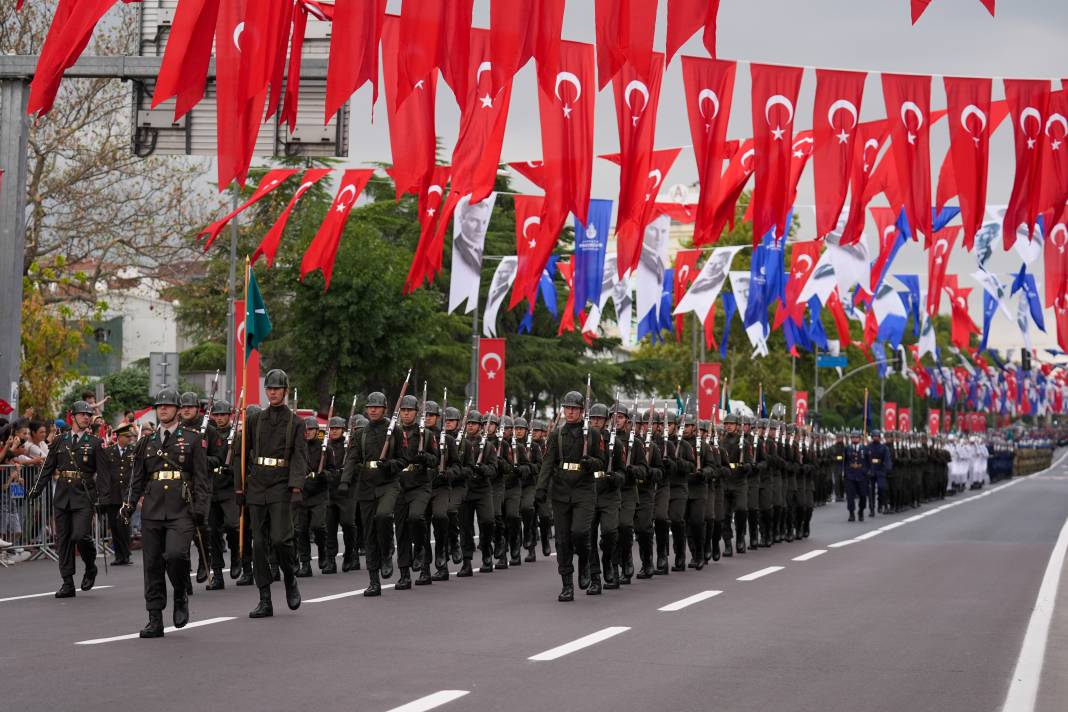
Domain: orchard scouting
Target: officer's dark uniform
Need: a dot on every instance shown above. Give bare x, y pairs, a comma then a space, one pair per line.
510, 467
647, 482
756, 474
76, 463
635, 473
120, 467
341, 504
309, 514
605, 521
440, 490
276, 462
567, 478
479, 466
171, 473
881, 465
542, 517
685, 464
417, 458
857, 466
223, 513
663, 448
528, 479
838, 471
696, 495
457, 493
190, 399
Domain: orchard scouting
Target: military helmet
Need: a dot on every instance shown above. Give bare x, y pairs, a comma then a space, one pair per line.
704, 425
762, 423
598, 410
538, 424
276, 378
876, 434
521, 422
189, 399
492, 417
167, 396
506, 422
221, 407
409, 403
432, 408
359, 422
573, 399
311, 422
473, 416
452, 413
620, 409
376, 400
83, 407
337, 422
653, 417
253, 409
748, 420
672, 417
732, 418
689, 419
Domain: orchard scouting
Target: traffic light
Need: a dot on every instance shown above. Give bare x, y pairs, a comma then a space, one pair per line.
1025, 359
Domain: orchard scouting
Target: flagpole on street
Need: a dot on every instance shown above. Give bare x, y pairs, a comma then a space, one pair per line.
244, 420
231, 337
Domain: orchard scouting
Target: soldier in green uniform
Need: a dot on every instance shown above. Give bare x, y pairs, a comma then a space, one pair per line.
479, 466
189, 417
171, 472
508, 457
777, 467
646, 479
340, 507
665, 450
685, 462
276, 467
696, 493
543, 510
457, 486
309, 513
76, 462
528, 477
572, 455
440, 490
716, 472
735, 487
119, 460
766, 491
607, 483
246, 578
417, 457
222, 513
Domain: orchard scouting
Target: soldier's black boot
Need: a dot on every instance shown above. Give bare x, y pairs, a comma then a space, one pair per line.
645, 554
304, 570
808, 523
739, 531
567, 593
465, 570
754, 529
678, 540
235, 556
545, 528
217, 581
292, 592
320, 549
276, 573
245, 579
181, 609
594, 589
387, 567
661, 530
405, 580
717, 532
710, 528
441, 574
852, 516
265, 609
89, 579
487, 562
692, 544
777, 517
860, 514
424, 578
154, 627
374, 588
351, 561
67, 589
728, 540
202, 557
454, 538
330, 567
766, 538
584, 573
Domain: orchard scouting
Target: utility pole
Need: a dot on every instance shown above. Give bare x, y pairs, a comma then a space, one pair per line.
472, 389
14, 125
231, 337
816, 380
793, 387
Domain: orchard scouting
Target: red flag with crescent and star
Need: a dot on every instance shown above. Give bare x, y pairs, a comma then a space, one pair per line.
685, 273
970, 126
270, 181
1055, 258
889, 416
529, 238
355, 35
323, 249
708, 386
1060, 310
412, 139
268, 246
709, 86
436, 34
685, 17
237, 117
1029, 107
886, 226
937, 261
870, 137
803, 259
963, 326
834, 123
774, 97
904, 420
908, 110
625, 30
426, 263
184, 70
1055, 158
519, 30
801, 400
491, 354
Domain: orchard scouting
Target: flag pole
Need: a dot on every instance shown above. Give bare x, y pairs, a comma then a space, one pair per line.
244, 419
865, 412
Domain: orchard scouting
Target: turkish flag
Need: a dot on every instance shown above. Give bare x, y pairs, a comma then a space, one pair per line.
237, 117
774, 101
184, 71
709, 86
841, 321
933, 421
291, 102
1055, 258
886, 226
870, 138
800, 152
528, 236
708, 384
426, 262
411, 123
263, 40
889, 416
491, 375
268, 246
243, 367
270, 181
803, 259
735, 178
963, 326
323, 249
355, 35
834, 123
1055, 159
937, 261
685, 17
685, 273
519, 30
970, 126
908, 109
625, 31
567, 112
1060, 309
1029, 106
436, 35
904, 420
636, 105
801, 399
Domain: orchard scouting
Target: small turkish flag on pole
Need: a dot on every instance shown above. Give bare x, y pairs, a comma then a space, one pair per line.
491, 375
708, 384
904, 420
802, 407
933, 422
889, 416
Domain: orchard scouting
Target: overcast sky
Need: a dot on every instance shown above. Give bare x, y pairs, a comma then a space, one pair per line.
1027, 39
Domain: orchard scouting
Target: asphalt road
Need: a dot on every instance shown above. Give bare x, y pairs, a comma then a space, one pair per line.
924, 611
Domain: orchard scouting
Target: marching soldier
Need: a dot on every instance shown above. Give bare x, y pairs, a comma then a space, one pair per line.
276, 467
571, 459
512, 468
806, 485
543, 509
245, 545
491, 424
119, 459
341, 505
648, 484
635, 474
76, 462
881, 466
838, 464
309, 512
479, 466
457, 490
685, 461
665, 451
415, 458
607, 483
856, 475
171, 472
735, 488
528, 478
440, 491
696, 493
790, 482
189, 416
223, 513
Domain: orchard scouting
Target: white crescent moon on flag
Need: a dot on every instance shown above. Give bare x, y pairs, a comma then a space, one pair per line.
711, 96
684, 271
241, 334
889, 230
657, 177
782, 100
1057, 119
807, 259
569, 78
710, 377
303, 188
341, 196
1028, 113
484, 67
910, 107
434, 189
638, 86
1059, 229
842, 105
237, 35
532, 220
803, 141
871, 143
973, 110
747, 158
943, 244
491, 357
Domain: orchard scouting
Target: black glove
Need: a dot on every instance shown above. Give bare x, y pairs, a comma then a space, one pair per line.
591, 464
227, 471
343, 488
296, 497
199, 519
635, 471
35, 492
439, 480
430, 459
488, 471
239, 497
540, 496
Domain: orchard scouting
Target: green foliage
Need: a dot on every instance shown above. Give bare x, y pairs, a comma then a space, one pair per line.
126, 389
206, 356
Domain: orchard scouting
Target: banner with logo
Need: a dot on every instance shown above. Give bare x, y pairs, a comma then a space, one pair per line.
491, 375
707, 389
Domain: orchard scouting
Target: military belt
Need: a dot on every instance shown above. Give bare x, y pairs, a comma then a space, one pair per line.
271, 462
599, 475
410, 468
734, 465
167, 475
373, 464
70, 474
839, 458
571, 466
218, 470
875, 461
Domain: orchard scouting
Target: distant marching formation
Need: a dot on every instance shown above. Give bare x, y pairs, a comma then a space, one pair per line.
596, 477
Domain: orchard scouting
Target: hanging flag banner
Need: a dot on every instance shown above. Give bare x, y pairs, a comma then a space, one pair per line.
904, 420
801, 398
469, 224
889, 416
649, 276
252, 396
591, 242
491, 375
503, 278
740, 283
933, 422
702, 293
708, 389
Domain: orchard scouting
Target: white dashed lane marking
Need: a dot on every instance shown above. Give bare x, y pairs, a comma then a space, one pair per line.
583, 642
689, 601
761, 573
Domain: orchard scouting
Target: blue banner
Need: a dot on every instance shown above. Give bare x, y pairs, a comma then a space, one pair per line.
730, 305
667, 301
591, 242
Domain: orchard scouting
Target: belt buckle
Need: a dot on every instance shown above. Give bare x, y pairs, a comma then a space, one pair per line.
372, 465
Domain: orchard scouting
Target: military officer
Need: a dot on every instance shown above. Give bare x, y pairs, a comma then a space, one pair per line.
276, 466
309, 512
491, 427
647, 457
696, 493
76, 462
119, 459
223, 513
663, 449
838, 464
685, 463
857, 465
245, 531
881, 465
635, 473
512, 467
340, 508
189, 416
457, 487
572, 456
171, 472
543, 509
416, 457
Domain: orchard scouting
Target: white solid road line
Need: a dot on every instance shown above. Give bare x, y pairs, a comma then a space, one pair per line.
1023, 690
840, 544
431, 701
345, 594
168, 629
810, 555
689, 601
868, 535
583, 642
42, 595
760, 574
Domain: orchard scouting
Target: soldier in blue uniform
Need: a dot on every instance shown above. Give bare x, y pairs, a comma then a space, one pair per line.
882, 462
857, 467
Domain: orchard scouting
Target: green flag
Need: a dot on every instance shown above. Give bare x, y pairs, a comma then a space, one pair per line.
257, 322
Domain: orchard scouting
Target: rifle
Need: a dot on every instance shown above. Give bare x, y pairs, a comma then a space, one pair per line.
648, 433
396, 414
326, 440
211, 404
233, 431
348, 430
612, 441
485, 437
512, 416
441, 440
461, 434
586, 418
664, 451
530, 431
422, 420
